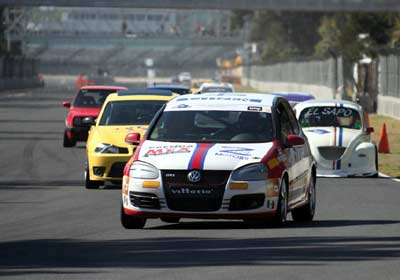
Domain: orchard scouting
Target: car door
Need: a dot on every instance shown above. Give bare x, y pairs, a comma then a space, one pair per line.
296, 166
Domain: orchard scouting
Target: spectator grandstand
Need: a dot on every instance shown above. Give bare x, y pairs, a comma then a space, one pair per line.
68, 39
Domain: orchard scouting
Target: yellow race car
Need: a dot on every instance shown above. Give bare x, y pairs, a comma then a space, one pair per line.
122, 113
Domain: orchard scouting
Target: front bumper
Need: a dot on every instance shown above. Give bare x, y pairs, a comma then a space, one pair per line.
355, 162
77, 133
146, 202
107, 167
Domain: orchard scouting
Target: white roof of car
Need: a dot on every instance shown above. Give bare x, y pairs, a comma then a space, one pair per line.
208, 85
327, 102
223, 101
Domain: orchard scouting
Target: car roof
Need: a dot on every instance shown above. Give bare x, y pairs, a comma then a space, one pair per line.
327, 102
144, 94
216, 85
116, 88
168, 86
295, 96
223, 101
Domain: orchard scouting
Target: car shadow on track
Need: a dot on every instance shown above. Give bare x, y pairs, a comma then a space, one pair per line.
24, 256
207, 225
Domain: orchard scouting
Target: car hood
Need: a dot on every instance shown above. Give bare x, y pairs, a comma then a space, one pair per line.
84, 112
207, 156
116, 134
331, 136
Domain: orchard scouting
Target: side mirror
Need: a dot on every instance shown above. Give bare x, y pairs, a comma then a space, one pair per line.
88, 121
67, 104
132, 138
294, 140
369, 130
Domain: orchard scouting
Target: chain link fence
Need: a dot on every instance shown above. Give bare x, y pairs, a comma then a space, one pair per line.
389, 85
323, 78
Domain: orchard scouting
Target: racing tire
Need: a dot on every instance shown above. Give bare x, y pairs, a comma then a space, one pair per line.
68, 143
130, 222
90, 184
305, 213
280, 218
170, 220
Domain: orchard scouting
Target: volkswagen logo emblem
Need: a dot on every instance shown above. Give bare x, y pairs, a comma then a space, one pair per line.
194, 176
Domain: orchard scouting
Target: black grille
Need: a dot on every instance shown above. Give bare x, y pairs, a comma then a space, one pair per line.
144, 200
205, 195
117, 170
331, 152
246, 202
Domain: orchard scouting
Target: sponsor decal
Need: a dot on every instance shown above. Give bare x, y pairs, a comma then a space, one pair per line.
168, 150
190, 191
333, 111
199, 156
239, 99
183, 106
272, 163
254, 108
318, 131
282, 156
240, 153
125, 200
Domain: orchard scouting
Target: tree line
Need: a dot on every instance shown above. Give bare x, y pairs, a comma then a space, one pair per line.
282, 35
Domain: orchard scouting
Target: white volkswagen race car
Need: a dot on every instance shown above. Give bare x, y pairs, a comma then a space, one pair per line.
220, 155
340, 137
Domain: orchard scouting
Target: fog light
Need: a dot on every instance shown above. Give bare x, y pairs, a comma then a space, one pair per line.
151, 184
239, 186
99, 170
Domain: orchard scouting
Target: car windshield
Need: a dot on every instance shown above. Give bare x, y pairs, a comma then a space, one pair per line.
130, 112
91, 98
330, 116
213, 126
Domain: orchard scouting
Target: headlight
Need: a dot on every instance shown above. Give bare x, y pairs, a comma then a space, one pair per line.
106, 149
142, 170
252, 172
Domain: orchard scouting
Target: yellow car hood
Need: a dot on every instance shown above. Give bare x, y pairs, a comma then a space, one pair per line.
116, 134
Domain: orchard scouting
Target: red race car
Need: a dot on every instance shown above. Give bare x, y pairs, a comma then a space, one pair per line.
87, 104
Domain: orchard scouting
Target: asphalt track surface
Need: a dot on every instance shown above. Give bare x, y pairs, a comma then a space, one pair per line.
51, 227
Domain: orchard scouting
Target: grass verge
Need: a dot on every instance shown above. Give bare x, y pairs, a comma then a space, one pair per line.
389, 164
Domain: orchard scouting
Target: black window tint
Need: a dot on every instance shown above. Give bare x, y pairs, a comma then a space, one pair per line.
130, 112
91, 98
284, 122
292, 119
213, 126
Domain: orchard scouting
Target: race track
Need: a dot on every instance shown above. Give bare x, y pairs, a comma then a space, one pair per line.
51, 227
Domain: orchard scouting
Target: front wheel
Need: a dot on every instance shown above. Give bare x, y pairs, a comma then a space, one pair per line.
130, 222
306, 212
67, 143
280, 218
90, 184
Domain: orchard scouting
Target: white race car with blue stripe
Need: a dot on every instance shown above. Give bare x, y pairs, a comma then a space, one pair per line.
220, 156
340, 137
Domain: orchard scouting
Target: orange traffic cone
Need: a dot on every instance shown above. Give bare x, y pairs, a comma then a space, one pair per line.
383, 146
